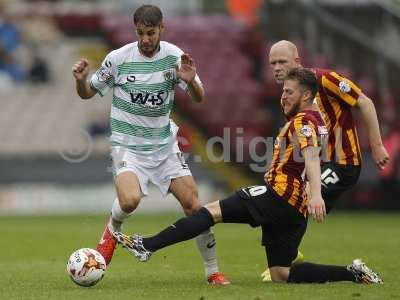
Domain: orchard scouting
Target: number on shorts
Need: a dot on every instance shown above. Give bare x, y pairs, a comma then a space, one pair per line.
257, 190
182, 161
329, 177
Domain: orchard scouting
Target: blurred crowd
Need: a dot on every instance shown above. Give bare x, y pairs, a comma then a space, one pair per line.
24, 40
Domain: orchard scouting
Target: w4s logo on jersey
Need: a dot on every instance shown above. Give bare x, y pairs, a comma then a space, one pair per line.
149, 98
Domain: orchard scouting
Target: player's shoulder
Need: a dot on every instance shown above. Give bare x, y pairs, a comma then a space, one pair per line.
171, 49
123, 52
330, 75
307, 117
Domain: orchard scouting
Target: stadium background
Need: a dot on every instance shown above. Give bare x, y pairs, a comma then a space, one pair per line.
54, 147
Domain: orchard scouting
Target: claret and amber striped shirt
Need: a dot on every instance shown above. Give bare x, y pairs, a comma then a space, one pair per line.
336, 96
286, 173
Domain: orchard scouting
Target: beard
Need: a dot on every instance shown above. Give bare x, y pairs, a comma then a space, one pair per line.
150, 51
293, 111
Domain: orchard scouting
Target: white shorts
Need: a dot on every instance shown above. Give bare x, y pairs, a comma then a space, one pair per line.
173, 166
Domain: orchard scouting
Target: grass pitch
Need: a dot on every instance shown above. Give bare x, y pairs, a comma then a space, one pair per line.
34, 252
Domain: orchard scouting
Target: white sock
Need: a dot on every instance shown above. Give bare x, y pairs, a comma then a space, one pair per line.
207, 247
117, 216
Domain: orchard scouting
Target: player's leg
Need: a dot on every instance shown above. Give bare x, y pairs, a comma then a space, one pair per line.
281, 242
131, 183
128, 197
281, 249
185, 191
357, 271
129, 194
231, 209
335, 180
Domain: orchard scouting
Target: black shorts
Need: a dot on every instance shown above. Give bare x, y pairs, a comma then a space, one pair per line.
282, 225
336, 179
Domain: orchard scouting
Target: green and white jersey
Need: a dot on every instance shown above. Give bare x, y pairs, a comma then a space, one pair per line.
143, 96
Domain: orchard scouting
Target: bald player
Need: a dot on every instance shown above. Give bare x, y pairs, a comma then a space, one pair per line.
337, 97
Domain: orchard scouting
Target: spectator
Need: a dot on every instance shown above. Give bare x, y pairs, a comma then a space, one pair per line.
9, 42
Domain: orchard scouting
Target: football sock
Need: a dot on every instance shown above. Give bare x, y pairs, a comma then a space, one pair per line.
182, 230
117, 216
207, 247
309, 272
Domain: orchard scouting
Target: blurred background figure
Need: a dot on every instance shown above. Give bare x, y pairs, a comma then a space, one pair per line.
54, 148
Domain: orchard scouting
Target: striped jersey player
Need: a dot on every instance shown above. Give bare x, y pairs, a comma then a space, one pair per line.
143, 76
143, 96
286, 173
336, 98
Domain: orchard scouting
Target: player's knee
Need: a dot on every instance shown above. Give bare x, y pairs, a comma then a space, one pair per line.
192, 203
128, 202
191, 207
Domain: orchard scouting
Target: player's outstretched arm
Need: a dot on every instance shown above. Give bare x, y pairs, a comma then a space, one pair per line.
316, 205
368, 112
187, 72
80, 71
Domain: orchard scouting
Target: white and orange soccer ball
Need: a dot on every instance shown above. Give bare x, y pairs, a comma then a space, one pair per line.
86, 267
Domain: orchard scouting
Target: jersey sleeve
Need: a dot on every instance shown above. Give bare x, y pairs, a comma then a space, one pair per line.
342, 88
305, 131
104, 78
182, 84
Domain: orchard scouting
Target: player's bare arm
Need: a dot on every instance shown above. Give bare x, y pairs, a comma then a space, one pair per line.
187, 72
80, 71
316, 205
379, 153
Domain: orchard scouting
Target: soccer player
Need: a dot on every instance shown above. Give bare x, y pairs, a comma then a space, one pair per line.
281, 206
336, 98
144, 145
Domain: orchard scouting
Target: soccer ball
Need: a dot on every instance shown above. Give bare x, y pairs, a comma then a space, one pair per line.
86, 267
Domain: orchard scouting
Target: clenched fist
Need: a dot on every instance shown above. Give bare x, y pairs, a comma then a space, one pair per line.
80, 70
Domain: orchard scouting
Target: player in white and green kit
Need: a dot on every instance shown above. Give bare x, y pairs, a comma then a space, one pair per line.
143, 76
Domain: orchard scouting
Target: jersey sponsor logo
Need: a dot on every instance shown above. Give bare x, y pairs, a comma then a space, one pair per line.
148, 98
344, 87
306, 131
103, 74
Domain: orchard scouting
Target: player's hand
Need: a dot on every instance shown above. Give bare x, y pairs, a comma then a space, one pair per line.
316, 208
80, 70
187, 70
380, 156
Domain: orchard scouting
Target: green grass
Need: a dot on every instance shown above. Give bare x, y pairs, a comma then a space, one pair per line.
34, 251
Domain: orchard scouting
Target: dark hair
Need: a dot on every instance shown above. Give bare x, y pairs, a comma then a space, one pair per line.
149, 15
306, 78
